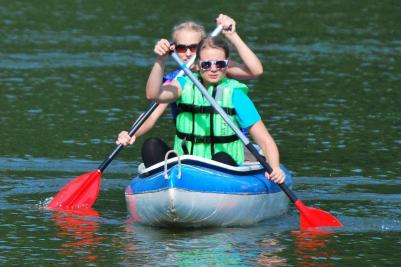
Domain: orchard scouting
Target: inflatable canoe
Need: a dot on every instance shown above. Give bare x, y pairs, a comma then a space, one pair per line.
190, 191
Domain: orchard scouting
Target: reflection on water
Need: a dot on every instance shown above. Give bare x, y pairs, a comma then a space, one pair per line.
313, 248
262, 245
205, 247
253, 246
79, 232
270, 248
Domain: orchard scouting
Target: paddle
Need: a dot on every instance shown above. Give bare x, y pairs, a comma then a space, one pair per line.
82, 192
310, 217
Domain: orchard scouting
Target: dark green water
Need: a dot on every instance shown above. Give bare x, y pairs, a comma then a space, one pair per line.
72, 75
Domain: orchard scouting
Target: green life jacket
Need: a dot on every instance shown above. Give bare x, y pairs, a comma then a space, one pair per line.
200, 130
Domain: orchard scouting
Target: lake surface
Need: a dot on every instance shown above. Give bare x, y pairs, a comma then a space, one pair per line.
72, 76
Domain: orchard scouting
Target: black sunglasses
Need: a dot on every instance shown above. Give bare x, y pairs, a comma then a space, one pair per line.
220, 64
180, 48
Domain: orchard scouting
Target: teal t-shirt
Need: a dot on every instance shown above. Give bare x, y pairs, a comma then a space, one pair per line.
247, 114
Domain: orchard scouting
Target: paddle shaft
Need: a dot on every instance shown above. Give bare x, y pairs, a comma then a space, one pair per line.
134, 128
239, 133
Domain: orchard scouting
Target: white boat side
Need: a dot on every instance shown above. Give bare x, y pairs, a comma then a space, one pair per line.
230, 196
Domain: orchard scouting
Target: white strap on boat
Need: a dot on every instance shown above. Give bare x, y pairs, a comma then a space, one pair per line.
166, 163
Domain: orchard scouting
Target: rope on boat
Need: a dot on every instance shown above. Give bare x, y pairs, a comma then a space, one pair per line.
165, 164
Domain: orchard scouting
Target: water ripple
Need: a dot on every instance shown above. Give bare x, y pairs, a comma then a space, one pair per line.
62, 165
44, 60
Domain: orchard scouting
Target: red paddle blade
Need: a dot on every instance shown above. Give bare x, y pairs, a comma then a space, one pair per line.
313, 218
79, 193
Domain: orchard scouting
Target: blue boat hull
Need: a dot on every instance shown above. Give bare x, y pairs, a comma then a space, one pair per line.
196, 192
